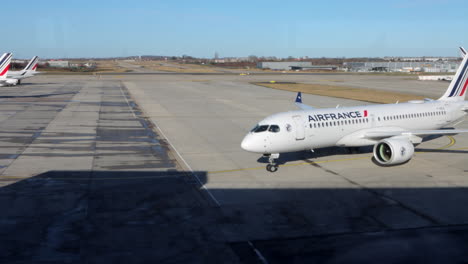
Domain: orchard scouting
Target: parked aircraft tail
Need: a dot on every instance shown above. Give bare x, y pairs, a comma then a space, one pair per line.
32, 65
5, 61
457, 88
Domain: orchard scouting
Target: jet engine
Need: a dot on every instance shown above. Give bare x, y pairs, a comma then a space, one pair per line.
11, 82
393, 151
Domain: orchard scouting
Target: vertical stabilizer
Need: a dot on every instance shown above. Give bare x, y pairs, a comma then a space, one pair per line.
457, 88
32, 65
5, 61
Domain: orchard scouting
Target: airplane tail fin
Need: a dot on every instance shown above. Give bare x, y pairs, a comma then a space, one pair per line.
299, 98
5, 61
32, 65
457, 88
462, 52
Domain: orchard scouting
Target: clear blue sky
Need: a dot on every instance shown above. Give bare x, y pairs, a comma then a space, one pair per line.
330, 28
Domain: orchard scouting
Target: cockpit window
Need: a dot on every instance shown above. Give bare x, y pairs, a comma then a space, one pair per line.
274, 129
259, 129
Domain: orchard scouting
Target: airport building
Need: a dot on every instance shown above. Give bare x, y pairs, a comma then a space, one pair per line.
444, 66
283, 65
294, 65
59, 64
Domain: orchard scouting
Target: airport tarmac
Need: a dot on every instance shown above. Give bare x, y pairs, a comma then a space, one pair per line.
140, 168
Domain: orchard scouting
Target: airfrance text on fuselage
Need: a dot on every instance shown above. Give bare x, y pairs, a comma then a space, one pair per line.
334, 116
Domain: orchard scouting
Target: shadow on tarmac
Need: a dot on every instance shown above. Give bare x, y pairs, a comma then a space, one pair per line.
167, 217
35, 96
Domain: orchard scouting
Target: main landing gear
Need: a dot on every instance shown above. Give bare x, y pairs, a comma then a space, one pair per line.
272, 166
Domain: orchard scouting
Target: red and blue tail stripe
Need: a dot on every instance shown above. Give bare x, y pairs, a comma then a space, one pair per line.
459, 84
5, 63
32, 64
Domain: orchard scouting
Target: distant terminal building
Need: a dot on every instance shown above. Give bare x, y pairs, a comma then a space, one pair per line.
433, 59
283, 65
393, 66
59, 63
19, 61
293, 65
315, 67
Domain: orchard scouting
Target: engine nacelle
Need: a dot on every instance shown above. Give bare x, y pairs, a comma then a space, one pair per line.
393, 151
11, 81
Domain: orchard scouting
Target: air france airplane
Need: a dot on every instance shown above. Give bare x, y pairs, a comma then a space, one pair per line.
28, 71
5, 61
393, 129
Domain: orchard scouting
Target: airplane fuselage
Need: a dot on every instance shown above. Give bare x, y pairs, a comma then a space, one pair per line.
311, 129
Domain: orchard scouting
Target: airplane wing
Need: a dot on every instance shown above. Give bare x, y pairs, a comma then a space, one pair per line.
300, 104
387, 134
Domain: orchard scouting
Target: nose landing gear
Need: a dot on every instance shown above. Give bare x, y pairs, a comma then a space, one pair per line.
272, 166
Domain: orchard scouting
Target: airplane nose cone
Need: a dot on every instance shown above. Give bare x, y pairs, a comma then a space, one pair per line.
252, 143
245, 145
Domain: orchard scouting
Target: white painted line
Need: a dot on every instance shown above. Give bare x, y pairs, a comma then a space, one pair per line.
126, 100
259, 254
188, 166
178, 154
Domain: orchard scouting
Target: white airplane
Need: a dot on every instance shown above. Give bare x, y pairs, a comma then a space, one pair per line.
28, 71
393, 129
5, 61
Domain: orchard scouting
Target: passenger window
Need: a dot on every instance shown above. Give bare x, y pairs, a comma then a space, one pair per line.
274, 129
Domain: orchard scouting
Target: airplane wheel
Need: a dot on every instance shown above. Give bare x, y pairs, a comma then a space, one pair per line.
271, 168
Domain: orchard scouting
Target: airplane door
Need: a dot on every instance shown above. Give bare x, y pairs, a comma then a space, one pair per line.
372, 118
300, 130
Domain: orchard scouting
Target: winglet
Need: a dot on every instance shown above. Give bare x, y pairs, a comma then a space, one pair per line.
299, 98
